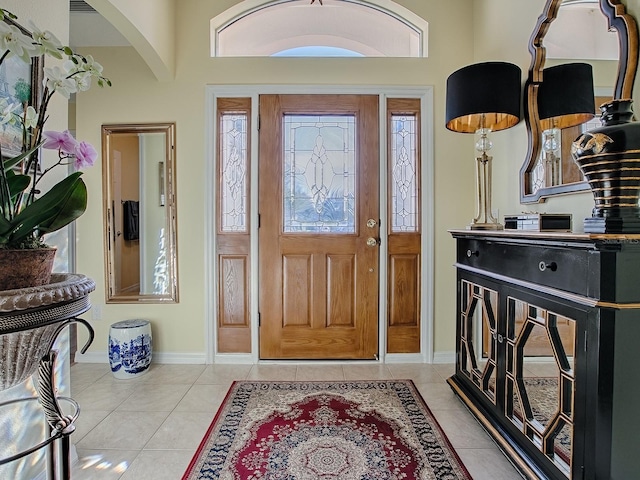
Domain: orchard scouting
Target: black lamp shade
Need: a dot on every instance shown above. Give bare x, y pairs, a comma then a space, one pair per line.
483, 95
565, 96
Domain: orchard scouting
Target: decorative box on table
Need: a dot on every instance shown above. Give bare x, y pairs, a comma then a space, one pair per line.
539, 222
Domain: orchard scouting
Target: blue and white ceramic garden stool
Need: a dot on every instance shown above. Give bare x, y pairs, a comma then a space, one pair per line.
130, 347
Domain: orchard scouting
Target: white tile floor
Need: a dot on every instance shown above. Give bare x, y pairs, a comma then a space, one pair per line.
149, 427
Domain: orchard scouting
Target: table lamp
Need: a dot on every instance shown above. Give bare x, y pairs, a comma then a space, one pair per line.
565, 99
481, 98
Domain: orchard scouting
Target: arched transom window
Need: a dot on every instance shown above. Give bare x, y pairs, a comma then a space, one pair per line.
369, 28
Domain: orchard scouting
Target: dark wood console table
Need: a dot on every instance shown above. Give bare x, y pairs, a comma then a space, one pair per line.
30, 321
547, 342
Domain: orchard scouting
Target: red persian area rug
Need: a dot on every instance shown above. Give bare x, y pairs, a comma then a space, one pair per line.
353, 430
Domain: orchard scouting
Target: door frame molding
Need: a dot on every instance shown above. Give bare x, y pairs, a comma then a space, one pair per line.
425, 94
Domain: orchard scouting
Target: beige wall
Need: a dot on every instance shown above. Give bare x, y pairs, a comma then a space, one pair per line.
137, 97
460, 33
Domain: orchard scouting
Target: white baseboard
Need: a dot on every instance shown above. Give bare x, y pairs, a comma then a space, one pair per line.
405, 358
239, 358
179, 358
157, 357
444, 357
230, 358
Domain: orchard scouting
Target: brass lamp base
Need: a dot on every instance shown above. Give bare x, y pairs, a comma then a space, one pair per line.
485, 226
485, 219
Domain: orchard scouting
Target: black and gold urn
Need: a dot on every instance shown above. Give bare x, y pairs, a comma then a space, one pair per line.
609, 158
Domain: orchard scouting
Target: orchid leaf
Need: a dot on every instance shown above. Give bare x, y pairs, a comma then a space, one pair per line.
74, 206
61, 205
5, 229
18, 184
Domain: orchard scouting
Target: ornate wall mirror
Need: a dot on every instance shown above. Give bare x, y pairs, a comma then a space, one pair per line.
535, 186
140, 213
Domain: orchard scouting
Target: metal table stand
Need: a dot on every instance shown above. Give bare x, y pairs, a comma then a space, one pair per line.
38, 315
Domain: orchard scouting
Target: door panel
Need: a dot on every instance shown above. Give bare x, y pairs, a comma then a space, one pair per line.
318, 186
404, 239
233, 233
341, 290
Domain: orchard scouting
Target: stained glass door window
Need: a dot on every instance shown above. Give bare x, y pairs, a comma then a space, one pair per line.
319, 172
404, 158
233, 140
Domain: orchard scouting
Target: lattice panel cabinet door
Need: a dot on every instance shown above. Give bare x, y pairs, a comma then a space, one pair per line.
478, 339
544, 350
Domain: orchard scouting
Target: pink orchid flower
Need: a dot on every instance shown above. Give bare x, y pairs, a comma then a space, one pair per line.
62, 141
85, 155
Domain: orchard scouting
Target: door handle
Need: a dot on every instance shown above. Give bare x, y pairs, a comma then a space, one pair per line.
372, 242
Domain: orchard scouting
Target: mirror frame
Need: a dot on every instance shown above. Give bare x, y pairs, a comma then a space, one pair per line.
169, 129
627, 28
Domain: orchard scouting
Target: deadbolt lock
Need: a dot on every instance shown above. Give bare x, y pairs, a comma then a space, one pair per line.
371, 223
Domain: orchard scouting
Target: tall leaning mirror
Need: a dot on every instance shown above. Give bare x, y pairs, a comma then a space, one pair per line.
140, 212
614, 75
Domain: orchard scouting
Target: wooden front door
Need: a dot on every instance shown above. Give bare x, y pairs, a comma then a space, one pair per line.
319, 227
